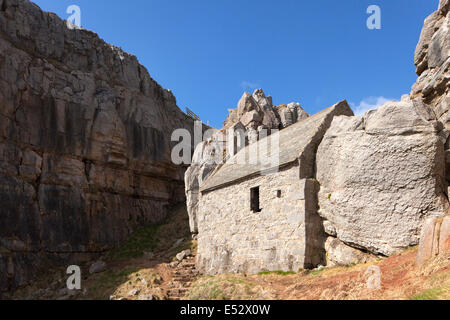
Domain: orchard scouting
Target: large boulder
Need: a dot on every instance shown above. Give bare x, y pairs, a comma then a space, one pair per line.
381, 176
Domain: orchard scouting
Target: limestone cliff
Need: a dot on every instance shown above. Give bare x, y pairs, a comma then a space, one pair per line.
84, 144
432, 59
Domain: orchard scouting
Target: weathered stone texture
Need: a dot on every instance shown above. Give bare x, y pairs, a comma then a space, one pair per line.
381, 176
257, 110
203, 164
339, 254
432, 59
253, 111
291, 114
232, 238
84, 143
444, 235
435, 238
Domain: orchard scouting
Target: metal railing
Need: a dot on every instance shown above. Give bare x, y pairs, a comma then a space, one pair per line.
191, 114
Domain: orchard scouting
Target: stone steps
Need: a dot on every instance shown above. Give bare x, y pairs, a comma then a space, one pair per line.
182, 279
177, 293
184, 273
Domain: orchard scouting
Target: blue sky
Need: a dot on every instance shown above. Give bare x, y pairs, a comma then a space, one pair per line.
208, 52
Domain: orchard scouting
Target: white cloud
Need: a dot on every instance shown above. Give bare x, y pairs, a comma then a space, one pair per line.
246, 85
370, 103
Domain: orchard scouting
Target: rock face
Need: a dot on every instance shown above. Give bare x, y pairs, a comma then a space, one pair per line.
84, 144
435, 239
203, 165
381, 176
432, 59
291, 114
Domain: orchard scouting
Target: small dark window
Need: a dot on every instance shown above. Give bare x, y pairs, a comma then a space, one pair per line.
278, 193
254, 199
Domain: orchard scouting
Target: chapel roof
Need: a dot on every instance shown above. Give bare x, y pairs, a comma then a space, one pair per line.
300, 138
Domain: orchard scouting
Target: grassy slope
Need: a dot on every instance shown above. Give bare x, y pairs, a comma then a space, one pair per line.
129, 269
400, 279
127, 266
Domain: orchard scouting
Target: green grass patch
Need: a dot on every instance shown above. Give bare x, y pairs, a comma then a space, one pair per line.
158, 237
440, 288
442, 293
317, 272
144, 239
104, 284
209, 291
278, 272
224, 287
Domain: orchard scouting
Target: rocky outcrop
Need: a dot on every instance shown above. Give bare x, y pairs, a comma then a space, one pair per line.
339, 254
291, 113
84, 144
435, 239
381, 176
257, 111
432, 59
203, 164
